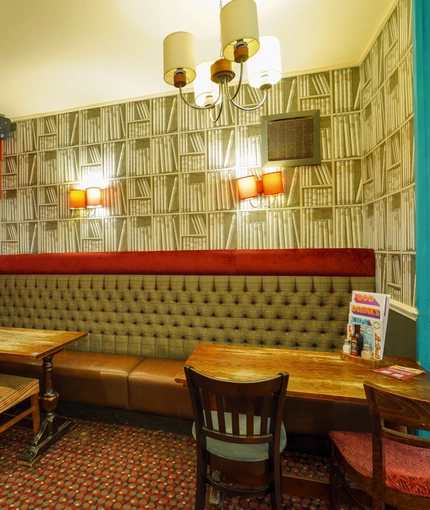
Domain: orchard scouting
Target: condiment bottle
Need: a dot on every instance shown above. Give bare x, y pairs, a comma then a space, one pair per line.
366, 353
347, 346
356, 341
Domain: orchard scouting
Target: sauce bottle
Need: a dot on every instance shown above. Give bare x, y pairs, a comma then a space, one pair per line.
356, 341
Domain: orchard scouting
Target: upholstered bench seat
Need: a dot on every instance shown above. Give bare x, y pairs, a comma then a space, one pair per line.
153, 389
145, 312
16, 366
91, 377
120, 381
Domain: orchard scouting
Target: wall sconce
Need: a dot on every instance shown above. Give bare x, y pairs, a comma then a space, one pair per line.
85, 201
250, 187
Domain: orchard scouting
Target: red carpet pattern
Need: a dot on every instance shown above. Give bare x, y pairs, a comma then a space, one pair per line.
109, 466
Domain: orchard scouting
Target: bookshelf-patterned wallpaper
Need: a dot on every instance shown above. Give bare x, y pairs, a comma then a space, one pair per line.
168, 173
387, 120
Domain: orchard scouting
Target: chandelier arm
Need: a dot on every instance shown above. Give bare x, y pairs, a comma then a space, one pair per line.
219, 112
196, 107
251, 108
233, 97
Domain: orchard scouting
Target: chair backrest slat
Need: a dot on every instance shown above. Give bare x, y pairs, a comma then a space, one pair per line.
245, 412
206, 407
265, 413
249, 412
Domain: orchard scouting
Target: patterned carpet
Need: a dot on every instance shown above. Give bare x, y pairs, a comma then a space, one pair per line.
111, 466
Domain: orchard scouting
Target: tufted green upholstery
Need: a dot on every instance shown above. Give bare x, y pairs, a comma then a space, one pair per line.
166, 316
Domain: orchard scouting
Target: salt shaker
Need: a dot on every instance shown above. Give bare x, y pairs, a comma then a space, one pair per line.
347, 346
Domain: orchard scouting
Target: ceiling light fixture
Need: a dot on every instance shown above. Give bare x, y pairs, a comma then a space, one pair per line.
240, 43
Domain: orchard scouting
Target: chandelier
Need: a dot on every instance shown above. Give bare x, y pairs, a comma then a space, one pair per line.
240, 43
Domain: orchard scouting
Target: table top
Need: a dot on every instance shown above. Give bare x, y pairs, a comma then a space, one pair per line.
322, 375
34, 343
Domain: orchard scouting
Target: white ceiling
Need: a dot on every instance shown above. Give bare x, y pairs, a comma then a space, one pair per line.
61, 55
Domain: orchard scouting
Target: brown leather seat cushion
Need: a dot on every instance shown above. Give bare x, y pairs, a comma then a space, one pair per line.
153, 389
16, 367
91, 377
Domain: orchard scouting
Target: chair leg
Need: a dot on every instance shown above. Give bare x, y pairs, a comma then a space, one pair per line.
200, 486
34, 400
276, 494
334, 484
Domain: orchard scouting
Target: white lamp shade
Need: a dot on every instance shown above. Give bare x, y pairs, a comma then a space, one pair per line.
179, 51
239, 21
94, 197
265, 67
205, 90
247, 187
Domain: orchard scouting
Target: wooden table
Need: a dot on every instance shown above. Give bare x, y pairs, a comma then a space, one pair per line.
321, 375
313, 375
34, 344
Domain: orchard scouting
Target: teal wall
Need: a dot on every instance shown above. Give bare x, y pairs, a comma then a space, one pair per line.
421, 35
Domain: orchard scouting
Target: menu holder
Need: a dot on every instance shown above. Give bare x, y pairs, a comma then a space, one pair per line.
358, 360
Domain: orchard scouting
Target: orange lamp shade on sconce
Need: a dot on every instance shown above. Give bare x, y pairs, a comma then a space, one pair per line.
250, 187
247, 187
272, 183
94, 197
77, 199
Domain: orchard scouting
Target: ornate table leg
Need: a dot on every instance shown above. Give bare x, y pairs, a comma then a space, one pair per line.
52, 427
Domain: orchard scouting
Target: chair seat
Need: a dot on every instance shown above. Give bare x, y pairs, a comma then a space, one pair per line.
407, 467
240, 452
15, 389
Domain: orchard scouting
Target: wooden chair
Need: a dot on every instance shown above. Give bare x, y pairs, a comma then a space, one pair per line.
239, 431
390, 468
14, 390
